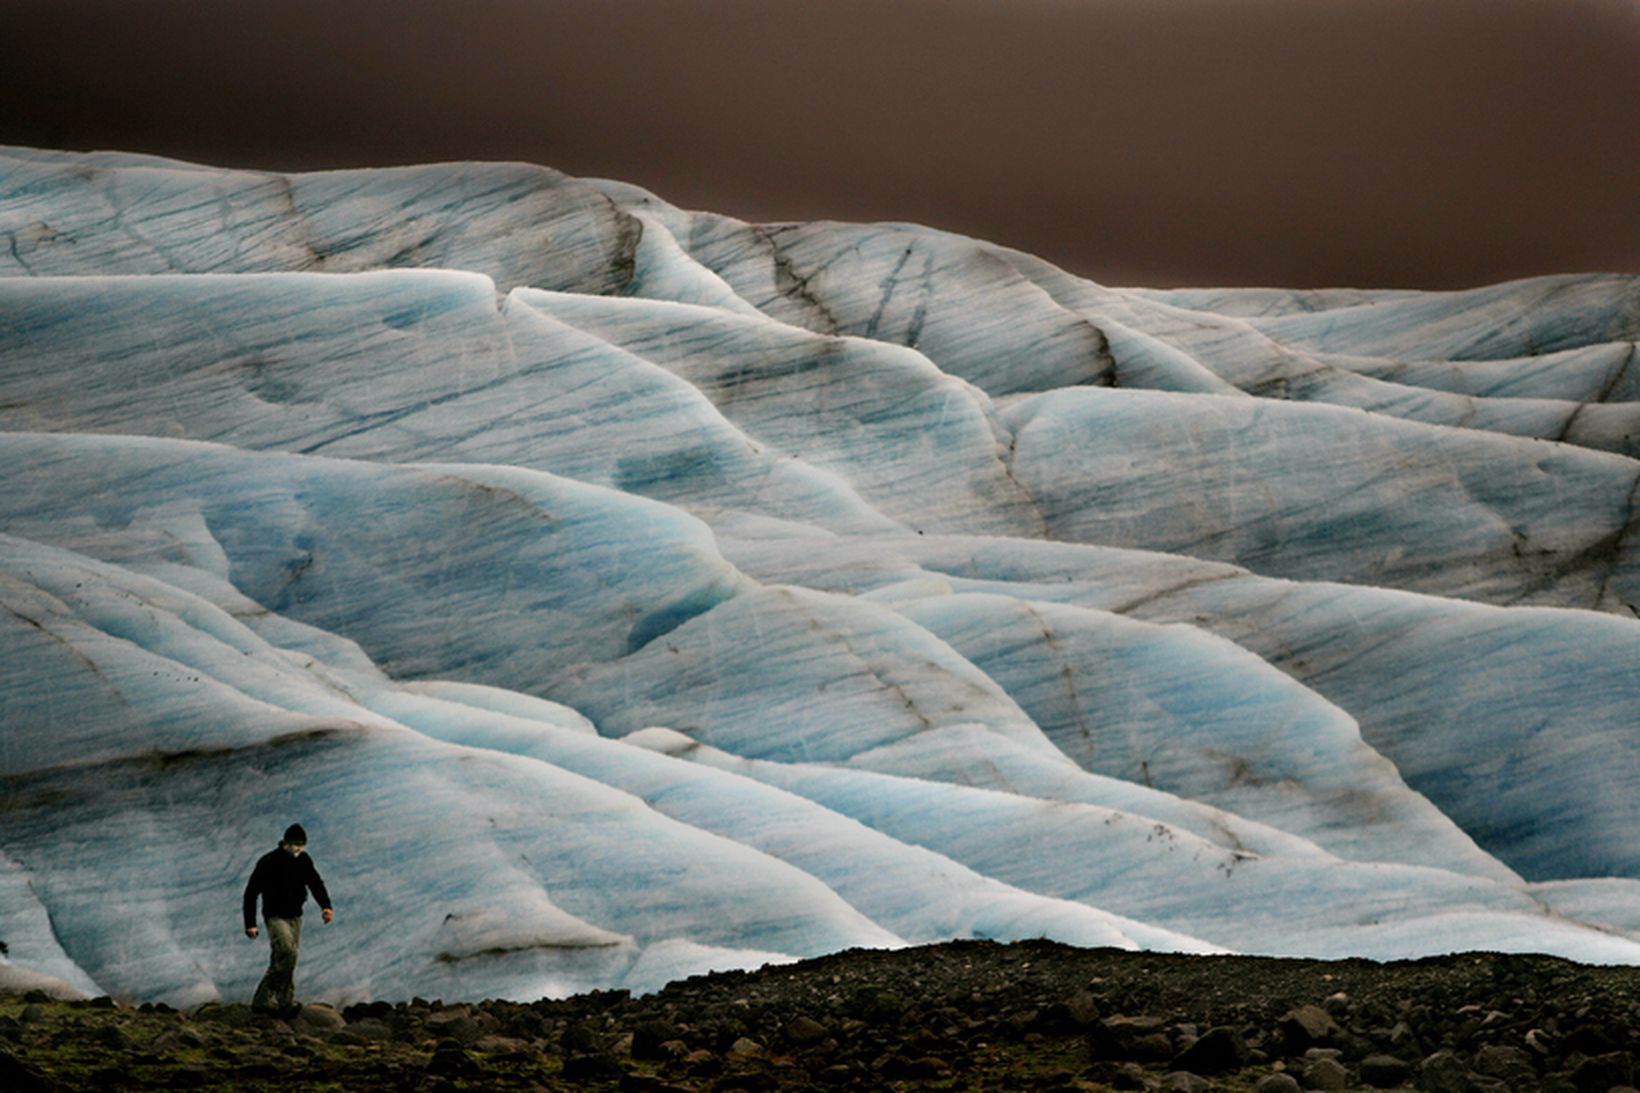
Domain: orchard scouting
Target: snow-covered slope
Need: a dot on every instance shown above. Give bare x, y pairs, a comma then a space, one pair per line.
617, 592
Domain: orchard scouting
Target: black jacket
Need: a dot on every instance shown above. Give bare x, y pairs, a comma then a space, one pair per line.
282, 879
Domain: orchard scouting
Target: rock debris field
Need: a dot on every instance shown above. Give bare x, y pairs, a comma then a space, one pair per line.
960, 1015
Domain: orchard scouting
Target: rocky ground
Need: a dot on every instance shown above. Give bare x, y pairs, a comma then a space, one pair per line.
964, 1015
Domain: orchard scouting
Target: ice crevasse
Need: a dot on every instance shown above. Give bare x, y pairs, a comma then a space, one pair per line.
617, 592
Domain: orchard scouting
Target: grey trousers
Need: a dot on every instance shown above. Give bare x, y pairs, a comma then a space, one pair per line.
277, 991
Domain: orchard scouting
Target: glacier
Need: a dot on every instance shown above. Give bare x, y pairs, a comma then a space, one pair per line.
618, 592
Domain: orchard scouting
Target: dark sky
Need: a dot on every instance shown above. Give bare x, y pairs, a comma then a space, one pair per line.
1417, 143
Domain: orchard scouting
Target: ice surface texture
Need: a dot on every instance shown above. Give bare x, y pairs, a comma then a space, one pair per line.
617, 592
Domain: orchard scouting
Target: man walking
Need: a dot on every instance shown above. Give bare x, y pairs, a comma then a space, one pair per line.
283, 878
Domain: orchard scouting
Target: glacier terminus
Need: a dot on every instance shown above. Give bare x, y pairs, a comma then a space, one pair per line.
618, 592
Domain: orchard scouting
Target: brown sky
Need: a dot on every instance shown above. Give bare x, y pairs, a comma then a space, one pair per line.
1419, 143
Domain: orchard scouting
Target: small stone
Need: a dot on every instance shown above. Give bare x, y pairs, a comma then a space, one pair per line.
745, 1047
1182, 1081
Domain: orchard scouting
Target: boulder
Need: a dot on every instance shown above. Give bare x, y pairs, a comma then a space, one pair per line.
1216, 1051
1443, 1072
1384, 1071
1307, 1027
17, 1076
1326, 1074
1279, 1082
1600, 1072
315, 1017
804, 1030
648, 1036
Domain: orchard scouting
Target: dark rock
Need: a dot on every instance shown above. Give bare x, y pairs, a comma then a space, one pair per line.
1182, 1081
232, 1015
32, 1012
1278, 1083
1512, 1064
1129, 1076
644, 1083
1443, 1072
113, 1037
318, 1018
110, 1077
927, 1068
1325, 1073
745, 1048
804, 1030
38, 996
371, 1030
1216, 1051
102, 1002
451, 1060
1155, 1048
1401, 1041
1589, 1040
1600, 1073
344, 1037
836, 1074
1307, 1027
365, 1011
1102, 1042
1083, 1008
582, 1039
648, 1036
875, 1005
17, 1076
1385, 1071
456, 1024
591, 1067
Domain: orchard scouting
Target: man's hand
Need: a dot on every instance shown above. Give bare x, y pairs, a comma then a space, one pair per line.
328, 915
250, 931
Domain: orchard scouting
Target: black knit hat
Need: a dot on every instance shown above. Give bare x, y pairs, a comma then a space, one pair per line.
295, 835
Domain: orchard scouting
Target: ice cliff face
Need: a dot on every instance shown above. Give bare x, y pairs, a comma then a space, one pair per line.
616, 592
